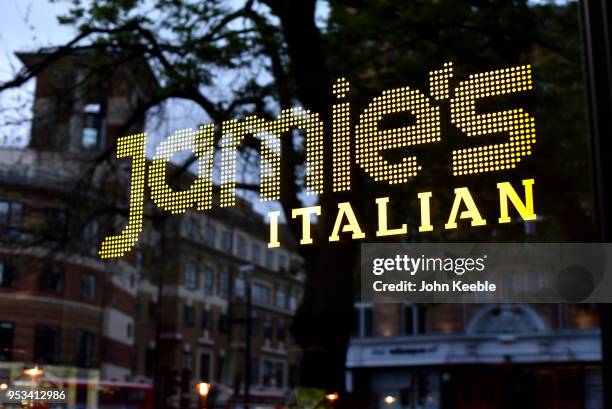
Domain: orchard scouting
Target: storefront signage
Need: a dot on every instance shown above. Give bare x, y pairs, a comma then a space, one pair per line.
367, 141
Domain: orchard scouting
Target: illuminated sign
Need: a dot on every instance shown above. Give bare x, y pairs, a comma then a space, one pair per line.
369, 142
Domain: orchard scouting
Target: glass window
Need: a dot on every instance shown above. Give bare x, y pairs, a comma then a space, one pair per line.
210, 234
205, 367
242, 247
207, 319
267, 329
47, 344
193, 227
150, 361
139, 261
280, 299
270, 259
187, 360
409, 324
282, 262
281, 333
10, 214
152, 310
224, 284
88, 286
84, 348
239, 287
261, 294
256, 253
8, 274
7, 334
279, 375
267, 373
209, 281
227, 241
191, 275
367, 321
51, 279
91, 237
292, 302
93, 127
254, 369
188, 315
223, 324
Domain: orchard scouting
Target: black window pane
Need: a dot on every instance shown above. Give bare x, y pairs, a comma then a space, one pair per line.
7, 332
47, 344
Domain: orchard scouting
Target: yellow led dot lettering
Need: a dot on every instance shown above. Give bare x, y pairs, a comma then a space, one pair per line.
439, 87
200, 192
341, 131
270, 135
116, 246
516, 122
370, 141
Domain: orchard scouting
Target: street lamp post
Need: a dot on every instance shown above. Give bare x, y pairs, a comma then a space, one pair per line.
203, 391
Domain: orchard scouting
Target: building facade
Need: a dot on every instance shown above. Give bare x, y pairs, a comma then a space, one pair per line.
477, 355
174, 307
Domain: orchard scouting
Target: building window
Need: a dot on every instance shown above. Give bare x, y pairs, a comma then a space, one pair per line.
281, 334
139, 261
227, 241
261, 294
282, 262
10, 214
91, 237
207, 319
279, 375
84, 348
150, 361
267, 373
187, 360
47, 344
220, 364
223, 324
209, 281
409, 320
7, 333
256, 253
8, 274
191, 275
152, 310
267, 329
254, 326
210, 234
362, 326
52, 279
254, 368
193, 227
188, 315
88, 287
224, 284
270, 259
239, 287
205, 367
129, 330
280, 299
56, 222
93, 127
242, 247
292, 302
